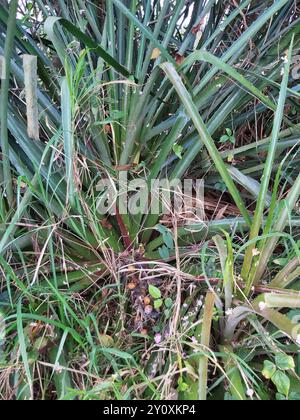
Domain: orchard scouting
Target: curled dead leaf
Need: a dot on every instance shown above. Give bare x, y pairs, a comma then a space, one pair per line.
147, 301
155, 54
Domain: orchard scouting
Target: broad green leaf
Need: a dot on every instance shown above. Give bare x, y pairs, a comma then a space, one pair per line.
282, 300
285, 362
158, 303
224, 139
282, 382
269, 369
281, 321
154, 292
169, 303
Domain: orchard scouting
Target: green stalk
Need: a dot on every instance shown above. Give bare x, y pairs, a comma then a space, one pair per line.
226, 258
282, 322
9, 44
256, 146
205, 342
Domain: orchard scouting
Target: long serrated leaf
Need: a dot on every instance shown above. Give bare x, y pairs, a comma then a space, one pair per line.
205, 342
9, 43
50, 24
205, 136
68, 133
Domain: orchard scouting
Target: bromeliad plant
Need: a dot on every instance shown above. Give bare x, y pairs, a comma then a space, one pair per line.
148, 88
